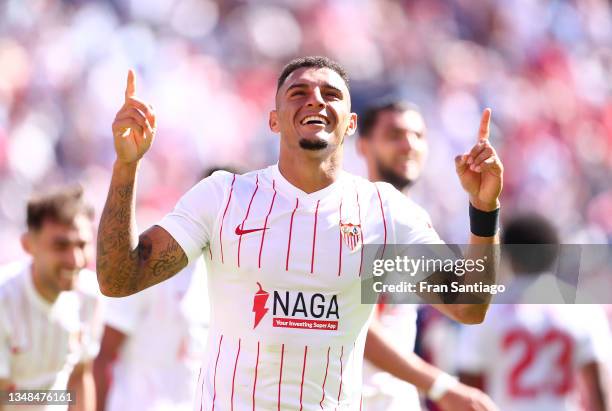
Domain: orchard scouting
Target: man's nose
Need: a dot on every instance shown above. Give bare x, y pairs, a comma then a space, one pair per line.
75, 258
315, 99
408, 142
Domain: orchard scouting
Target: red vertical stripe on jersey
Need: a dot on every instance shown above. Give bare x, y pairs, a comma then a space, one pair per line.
247, 215
255, 380
340, 388
210, 250
234, 376
324, 379
303, 371
340, 247
280, 375
314, 237
360, 239
263, 233
215, 374
297, 201
229, 198
382, 212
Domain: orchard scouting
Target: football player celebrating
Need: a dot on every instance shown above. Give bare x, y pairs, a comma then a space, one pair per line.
283, 246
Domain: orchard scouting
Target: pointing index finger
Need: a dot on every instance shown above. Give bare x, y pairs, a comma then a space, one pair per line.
130, 88
483, 132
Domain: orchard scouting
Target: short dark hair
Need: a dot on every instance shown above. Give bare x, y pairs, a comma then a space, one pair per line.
61, 205
368, 119
311, 61
531, 229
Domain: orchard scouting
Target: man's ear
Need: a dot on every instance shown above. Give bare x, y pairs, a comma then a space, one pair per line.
26, 242
273, 121
352, 127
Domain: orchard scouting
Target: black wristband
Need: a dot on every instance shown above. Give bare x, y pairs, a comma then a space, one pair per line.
484, 223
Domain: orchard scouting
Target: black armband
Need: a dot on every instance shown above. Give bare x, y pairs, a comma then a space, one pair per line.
484, 223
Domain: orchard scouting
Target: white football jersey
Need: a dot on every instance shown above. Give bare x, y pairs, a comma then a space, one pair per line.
166, 328
530, 354
40, 343
287, 325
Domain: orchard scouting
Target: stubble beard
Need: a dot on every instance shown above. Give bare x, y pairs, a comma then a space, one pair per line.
316, 145
388, 175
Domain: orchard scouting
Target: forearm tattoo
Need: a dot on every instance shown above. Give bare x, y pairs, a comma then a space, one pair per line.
125, 263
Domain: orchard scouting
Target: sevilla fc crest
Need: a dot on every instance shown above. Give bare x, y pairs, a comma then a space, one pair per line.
351, 234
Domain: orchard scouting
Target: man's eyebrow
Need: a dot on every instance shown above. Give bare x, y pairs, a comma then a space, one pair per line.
61, 240
327, 85
64, 240
304, 85
396, 129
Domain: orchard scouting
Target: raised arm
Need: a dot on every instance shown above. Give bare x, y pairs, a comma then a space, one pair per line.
480, 172
128, 263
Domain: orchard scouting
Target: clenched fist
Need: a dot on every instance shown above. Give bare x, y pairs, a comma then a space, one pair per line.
134, 126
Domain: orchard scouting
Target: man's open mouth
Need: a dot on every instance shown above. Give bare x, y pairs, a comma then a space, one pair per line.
315, 119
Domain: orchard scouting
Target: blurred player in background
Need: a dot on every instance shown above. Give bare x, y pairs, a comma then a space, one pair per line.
50, 316
153, 344
532, 356
392, 139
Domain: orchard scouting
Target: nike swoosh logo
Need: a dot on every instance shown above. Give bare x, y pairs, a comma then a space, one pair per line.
240, 231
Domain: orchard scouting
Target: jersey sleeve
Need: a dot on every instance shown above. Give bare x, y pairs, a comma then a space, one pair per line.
411, 223
123, 314
191, 222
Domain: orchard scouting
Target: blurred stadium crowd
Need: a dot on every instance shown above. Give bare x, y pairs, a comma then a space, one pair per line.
209, 68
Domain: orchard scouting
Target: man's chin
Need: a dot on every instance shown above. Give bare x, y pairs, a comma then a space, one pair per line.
63, 286
66, 283
397, 179
313, 144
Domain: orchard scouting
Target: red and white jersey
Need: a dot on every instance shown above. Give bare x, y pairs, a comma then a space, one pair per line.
166, 328
529, 355
40, 343
287, 324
